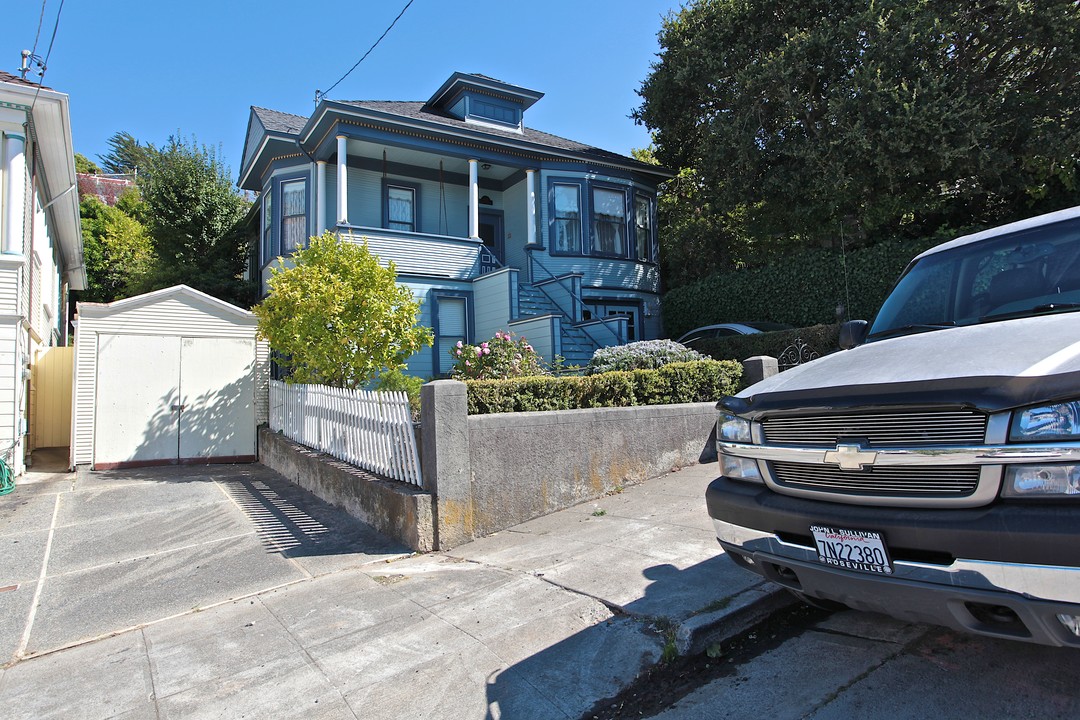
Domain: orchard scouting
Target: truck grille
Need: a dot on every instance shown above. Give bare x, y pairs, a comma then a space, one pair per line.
947, 427
880, 482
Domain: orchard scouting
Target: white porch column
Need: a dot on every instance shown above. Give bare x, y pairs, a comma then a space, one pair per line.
474, 200
15, 197
342, 181
320, 197
530, 211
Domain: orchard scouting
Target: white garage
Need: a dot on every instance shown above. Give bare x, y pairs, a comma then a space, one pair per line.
171, 377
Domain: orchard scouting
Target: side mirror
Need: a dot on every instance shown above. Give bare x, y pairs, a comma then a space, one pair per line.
853, 333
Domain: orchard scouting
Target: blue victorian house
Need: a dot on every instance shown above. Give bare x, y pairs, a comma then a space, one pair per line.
494, 225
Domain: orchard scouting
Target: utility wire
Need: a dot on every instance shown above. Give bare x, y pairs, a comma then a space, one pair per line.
45, 62
320, 95
41, 19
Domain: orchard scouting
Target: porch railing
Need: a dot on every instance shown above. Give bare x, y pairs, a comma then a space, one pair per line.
371, 430
577, 302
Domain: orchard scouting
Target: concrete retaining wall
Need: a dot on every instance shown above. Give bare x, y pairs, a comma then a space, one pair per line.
490, 472
486, 473
393, 508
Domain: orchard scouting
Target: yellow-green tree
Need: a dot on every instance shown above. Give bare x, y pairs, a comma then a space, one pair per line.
337, 317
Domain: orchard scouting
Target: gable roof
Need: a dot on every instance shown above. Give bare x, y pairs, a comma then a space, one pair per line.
279, 122
16, 80
176, 292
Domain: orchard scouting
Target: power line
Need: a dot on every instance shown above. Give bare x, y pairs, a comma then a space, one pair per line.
319, 95
45, 62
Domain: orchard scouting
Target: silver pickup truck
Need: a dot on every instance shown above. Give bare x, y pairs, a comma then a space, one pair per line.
931, 470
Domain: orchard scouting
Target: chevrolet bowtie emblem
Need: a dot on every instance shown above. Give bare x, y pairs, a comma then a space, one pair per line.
851, 457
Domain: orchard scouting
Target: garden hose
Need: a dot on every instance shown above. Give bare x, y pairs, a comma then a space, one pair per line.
7, 483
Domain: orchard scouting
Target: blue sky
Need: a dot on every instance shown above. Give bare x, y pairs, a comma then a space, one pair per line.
195, 67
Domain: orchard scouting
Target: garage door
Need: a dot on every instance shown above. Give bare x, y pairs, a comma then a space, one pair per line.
163, 400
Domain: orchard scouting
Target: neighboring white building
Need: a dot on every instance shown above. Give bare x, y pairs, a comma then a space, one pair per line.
41, 252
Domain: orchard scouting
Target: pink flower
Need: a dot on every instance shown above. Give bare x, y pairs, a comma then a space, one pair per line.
479, 352
458, 352
468, 364
487, 350
458, 343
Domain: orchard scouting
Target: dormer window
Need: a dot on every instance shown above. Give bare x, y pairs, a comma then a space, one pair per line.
489, 110
483, 100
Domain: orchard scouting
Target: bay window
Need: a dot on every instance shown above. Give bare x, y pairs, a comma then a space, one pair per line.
293, 215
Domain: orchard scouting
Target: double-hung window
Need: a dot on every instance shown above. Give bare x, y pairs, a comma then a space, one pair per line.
400, 208
567, 219
609, 222
643, 228
293, 215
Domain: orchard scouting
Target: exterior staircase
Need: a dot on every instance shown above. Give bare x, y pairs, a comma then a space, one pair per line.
577, 348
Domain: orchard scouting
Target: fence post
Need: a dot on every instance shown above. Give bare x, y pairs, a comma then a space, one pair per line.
759, 367
444, 431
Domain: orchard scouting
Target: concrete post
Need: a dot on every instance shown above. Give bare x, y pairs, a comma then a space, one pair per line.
758, 368
444, 432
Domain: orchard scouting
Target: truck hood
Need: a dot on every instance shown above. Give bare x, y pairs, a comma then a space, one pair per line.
993, 366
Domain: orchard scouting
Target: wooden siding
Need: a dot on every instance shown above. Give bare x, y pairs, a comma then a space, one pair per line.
424, 255
84, 396
422, 363
491, 303
172, 316
262, 382
9, 287
542, 333
12, 350
50, 412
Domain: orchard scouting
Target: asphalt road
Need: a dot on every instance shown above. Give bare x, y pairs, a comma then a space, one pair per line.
860, 665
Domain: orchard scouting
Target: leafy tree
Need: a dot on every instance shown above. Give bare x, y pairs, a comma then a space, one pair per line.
117, 248
127, 155
85, 165
194, 213
815, 123
338, 317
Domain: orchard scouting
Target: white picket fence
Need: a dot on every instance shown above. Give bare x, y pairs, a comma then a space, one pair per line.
372, 430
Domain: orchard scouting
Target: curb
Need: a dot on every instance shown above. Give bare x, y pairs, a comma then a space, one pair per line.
697, 634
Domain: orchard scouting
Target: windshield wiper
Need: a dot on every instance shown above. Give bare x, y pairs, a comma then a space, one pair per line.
1037, 310
904, 329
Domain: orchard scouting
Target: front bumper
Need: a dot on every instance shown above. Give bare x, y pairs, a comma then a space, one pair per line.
768, 533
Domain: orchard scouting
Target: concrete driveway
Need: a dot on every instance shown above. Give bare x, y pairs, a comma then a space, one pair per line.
87, 557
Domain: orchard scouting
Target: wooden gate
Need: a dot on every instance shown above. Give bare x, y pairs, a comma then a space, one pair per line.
50, 398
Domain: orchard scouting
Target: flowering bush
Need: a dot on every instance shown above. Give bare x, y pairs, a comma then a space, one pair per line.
502, 357
643, 355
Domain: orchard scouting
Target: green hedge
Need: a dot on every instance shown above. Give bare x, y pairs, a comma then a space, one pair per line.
699, 381
801, 289
823, 339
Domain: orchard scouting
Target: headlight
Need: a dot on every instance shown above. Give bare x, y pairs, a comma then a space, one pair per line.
732, 428
1035, 481
1057, 421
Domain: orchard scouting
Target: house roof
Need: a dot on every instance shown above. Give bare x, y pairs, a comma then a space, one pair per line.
413, 116
106, 189
282, 122
50, 129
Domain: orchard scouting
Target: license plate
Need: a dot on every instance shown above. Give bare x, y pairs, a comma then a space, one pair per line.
852, 549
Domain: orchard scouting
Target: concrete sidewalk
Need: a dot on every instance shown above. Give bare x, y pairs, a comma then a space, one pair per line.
539, 621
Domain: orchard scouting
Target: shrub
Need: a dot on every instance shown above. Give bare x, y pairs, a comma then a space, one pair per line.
502, 357
696, 381
397, 381
643, 355
823, 339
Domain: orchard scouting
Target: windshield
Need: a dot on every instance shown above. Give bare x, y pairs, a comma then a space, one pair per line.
1032, 272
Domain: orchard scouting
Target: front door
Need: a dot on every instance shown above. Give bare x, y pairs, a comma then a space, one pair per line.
491, 232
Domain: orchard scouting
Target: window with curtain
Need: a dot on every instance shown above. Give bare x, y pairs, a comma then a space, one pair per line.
567, 219
293, 215
642, 227
267, 228
609, 222
400, 208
